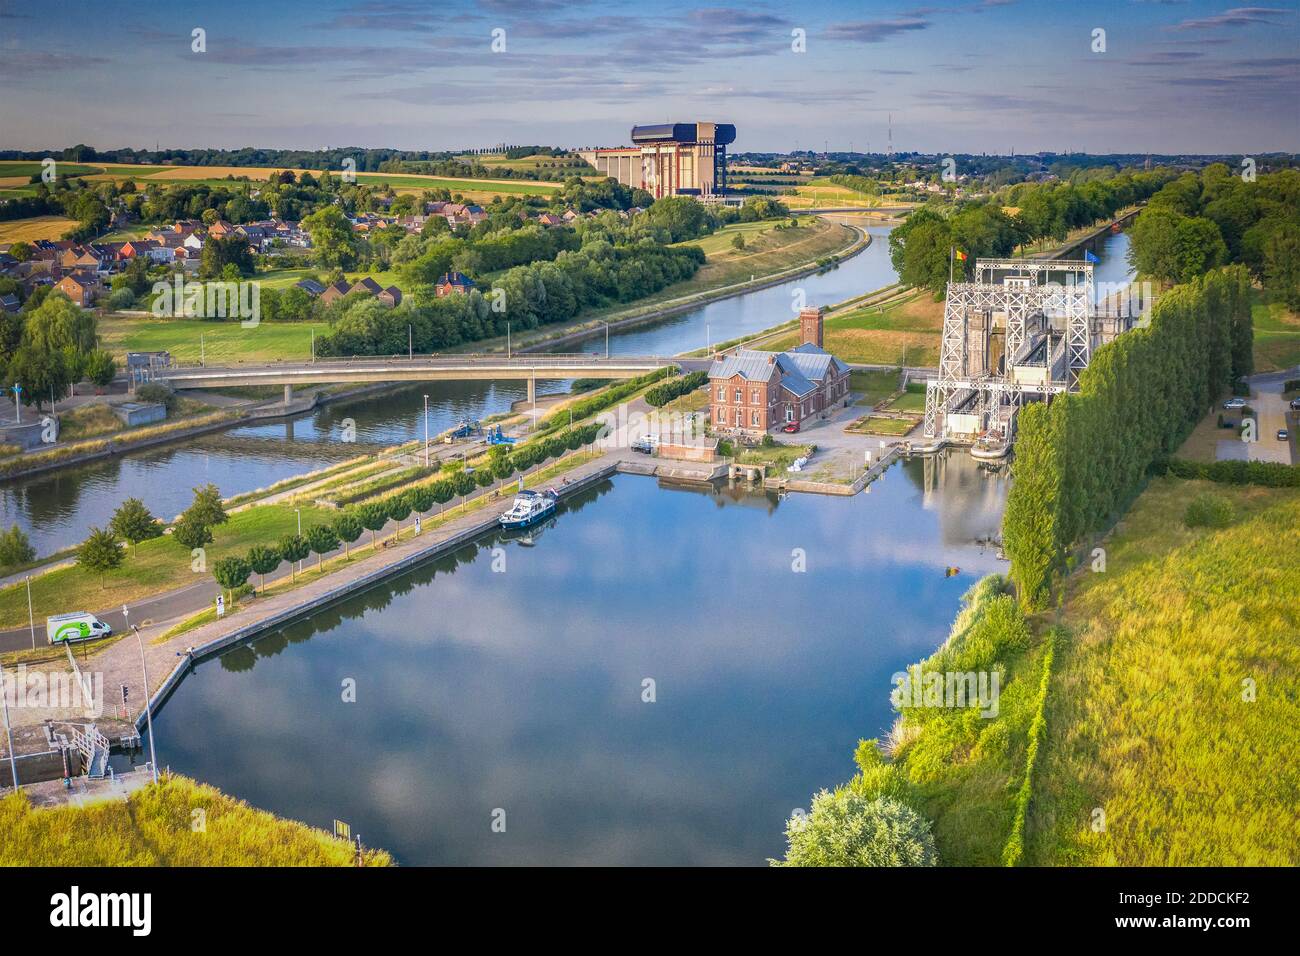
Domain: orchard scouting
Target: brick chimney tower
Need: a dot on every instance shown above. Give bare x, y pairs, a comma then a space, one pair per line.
810, 326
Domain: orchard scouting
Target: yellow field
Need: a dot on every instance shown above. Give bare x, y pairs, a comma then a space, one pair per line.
7, 181
38, 227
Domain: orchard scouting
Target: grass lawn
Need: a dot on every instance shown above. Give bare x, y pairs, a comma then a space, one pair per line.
779, 456
34, 228
1277, 336
903, 331
153, 827
877, 425
721, 240
874, 385
221, 341
912, 400
151, 567
1149, 715
770, 252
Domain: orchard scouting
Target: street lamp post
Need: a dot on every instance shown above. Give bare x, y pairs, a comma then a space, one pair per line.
426, 431
18, 412
148, 705
31, 618
606, 340
298, 512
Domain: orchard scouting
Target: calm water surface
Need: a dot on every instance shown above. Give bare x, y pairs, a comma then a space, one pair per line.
522, 689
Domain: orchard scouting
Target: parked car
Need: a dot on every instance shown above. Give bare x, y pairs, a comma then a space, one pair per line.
1283, 435
1235, 403
790, 428
1295, 404
646, 444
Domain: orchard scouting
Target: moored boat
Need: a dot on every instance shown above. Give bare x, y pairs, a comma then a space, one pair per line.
529, 508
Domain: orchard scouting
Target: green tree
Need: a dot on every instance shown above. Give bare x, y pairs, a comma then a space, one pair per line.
41, 374
133, 522
322, 539
190, 533
100, 553
59, 326
231, 572
100, 368
333, 242
348, 527
848, 829
464, 484
294, 547
207, 507
373, 516
443, 492
15, 548
263, 561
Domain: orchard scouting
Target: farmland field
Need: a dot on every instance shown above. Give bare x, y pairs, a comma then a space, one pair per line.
37, 227
1277, 336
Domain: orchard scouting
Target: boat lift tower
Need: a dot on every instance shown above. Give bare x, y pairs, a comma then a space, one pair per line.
1021, 331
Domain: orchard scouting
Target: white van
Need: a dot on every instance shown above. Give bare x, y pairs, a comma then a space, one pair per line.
77, 626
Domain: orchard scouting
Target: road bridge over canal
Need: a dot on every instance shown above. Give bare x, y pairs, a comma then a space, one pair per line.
416, 368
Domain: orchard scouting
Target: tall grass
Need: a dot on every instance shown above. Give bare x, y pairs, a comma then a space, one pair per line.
176, 822
1156, 753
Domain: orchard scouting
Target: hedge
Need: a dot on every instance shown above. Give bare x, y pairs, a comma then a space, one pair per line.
1270, 474
1080, 459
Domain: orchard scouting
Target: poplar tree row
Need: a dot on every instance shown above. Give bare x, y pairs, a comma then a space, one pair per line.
1081, 459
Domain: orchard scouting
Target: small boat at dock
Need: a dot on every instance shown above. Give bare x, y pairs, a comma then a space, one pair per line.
529, 508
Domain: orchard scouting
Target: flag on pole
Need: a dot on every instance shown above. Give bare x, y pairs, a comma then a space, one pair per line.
961, 256
1089, 257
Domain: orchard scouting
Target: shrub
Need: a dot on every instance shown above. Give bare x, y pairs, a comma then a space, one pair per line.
1208, 510
665, 392
15, 548
122, 298
848, 829
153, 392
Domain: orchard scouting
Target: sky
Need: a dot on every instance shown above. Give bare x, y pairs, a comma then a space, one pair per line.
1165, 76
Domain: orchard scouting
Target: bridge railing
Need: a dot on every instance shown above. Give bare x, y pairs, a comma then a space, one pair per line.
458, 359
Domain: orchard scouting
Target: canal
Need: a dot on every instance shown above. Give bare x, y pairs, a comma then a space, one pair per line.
513, 679
56, 509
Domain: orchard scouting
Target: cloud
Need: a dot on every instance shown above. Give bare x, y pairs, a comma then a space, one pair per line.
874, 31
1236, 17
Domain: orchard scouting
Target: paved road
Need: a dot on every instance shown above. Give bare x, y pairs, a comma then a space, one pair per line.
180, 602
1272, 413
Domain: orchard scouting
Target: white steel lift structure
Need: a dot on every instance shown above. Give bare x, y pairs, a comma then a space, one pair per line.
1022, 330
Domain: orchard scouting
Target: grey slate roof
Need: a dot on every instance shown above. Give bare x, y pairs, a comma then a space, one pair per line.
748, 363
797, 367
814, 362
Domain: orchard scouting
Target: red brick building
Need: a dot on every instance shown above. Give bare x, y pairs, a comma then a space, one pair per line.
757, 391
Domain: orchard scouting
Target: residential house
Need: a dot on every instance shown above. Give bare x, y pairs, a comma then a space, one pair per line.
452, 283
10, 303
755, 391
335, 292
310, 286
391, 297
367, 285
80, 287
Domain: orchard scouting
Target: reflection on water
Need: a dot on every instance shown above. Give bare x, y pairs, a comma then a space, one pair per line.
522, 689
